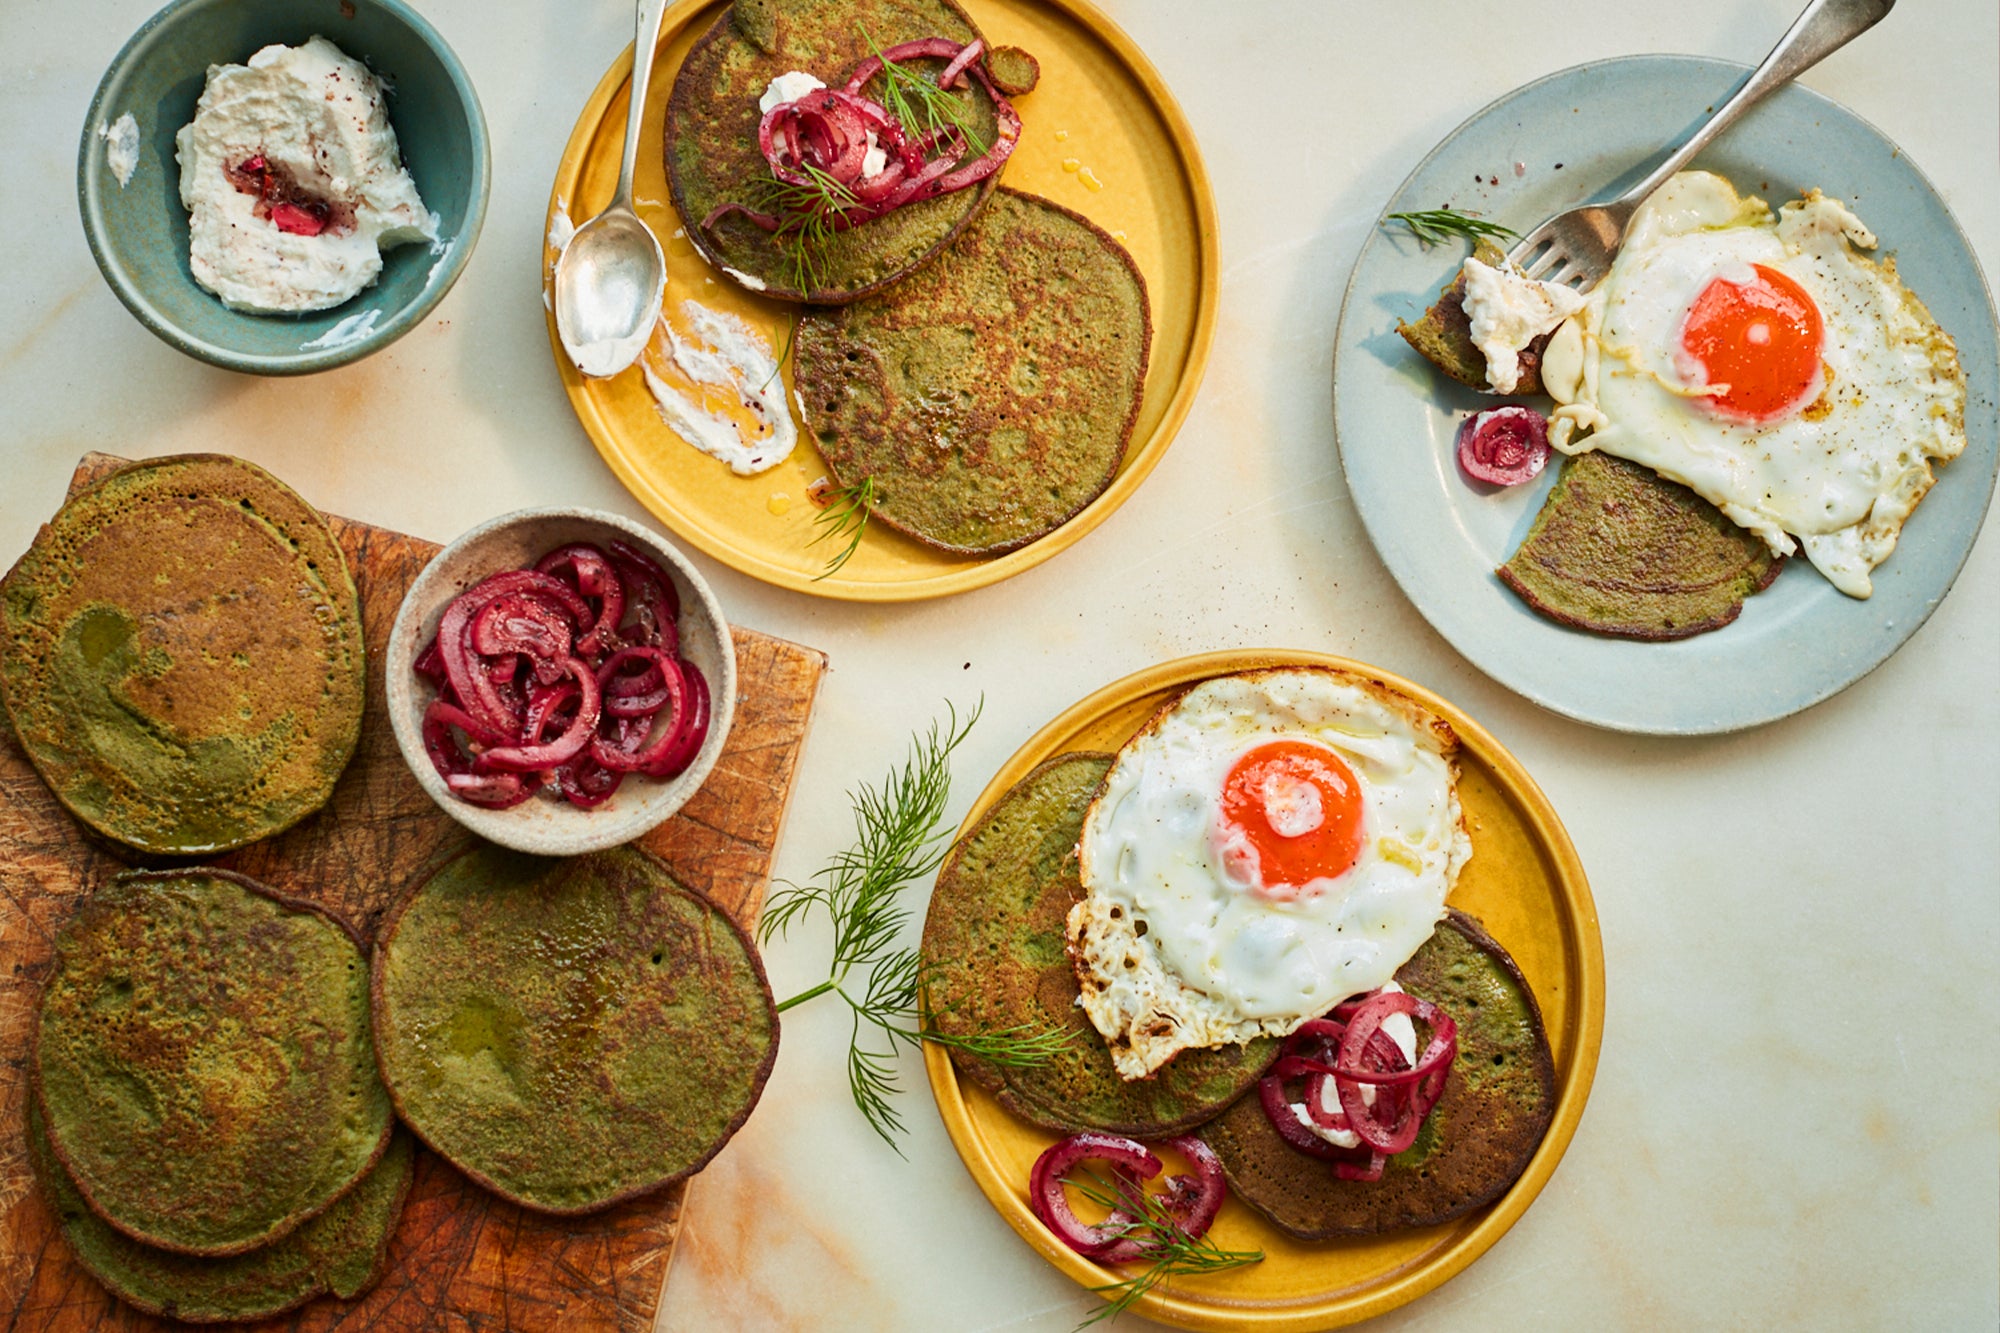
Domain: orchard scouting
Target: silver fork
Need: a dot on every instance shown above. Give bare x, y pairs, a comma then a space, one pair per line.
1575, 248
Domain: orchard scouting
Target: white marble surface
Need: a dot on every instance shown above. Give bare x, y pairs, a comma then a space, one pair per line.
1796, 1120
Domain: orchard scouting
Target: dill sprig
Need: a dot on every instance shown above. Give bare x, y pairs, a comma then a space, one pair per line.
809, 214
845, 517
784, 353
1170, 1251
1435, 225
923, 108
897, 839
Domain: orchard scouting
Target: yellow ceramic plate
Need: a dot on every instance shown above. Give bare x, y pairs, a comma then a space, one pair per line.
1102, 136
1524, 882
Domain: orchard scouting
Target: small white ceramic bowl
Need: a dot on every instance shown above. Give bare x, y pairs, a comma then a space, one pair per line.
540, 825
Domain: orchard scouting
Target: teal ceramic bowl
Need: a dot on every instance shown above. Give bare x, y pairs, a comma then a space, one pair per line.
139, 231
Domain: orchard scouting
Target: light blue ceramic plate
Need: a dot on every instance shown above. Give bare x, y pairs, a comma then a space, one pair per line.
1397, 418
139, 232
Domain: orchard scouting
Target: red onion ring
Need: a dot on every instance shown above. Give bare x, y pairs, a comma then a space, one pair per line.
1191, 1200
1424, 1081
1362, 1057
1051, 1203
1504, 446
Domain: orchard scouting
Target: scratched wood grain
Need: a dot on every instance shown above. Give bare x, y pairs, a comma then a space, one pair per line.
461, 1259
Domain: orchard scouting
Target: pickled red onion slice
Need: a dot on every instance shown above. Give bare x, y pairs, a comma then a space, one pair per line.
1191, 1200
826, 133
1504, 446
545, 674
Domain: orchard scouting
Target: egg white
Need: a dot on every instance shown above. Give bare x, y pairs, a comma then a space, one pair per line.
1841, 475
1173, 954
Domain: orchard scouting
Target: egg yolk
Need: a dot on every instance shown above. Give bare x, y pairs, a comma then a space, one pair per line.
1760, 338
1292, 810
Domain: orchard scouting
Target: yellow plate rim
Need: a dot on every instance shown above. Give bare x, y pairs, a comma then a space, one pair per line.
1141, 456
1577, 1070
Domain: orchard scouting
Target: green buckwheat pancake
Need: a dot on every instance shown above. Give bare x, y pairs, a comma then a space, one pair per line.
182, 656
988, 398
1495, 1108
342, 1251
203, 1062
996, 959
1618, 549
570, 1033
713, 158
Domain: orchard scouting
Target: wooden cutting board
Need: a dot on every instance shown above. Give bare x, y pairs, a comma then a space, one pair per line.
461, 1259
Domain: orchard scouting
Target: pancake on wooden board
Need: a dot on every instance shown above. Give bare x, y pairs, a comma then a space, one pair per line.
182, 655
342, 1251
1495, 1108
570, 1033
203, 1060
995, 959
989, 397
1617, 549
713, 158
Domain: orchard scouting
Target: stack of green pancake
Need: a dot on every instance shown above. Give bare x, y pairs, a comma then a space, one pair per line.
570, 1033
996, 962
181, 656
206, 1116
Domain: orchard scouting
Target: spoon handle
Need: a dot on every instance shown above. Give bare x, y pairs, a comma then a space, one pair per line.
1824, 27
651, 14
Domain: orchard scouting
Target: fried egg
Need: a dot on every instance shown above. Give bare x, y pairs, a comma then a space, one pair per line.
1268, 845
1769, 366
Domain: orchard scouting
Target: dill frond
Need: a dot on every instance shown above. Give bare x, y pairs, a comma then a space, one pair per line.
844, 519
1434, 225
897, 838
1171, 1252
921, 106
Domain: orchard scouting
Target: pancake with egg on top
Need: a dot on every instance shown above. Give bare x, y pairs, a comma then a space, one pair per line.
203, 1062
183, 656
995, 961
986, 400
713, 158
342, 1251
570, 1033
1495, 1108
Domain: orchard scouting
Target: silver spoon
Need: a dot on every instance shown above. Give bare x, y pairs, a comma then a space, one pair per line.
1576, 247
612, 275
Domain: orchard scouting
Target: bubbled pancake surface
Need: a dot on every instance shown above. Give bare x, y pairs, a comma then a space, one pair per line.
1617, 549
712, 155
203, 1059
342, 1251
994, 946
989, 397
182, 655
1496, 1106
570, 1033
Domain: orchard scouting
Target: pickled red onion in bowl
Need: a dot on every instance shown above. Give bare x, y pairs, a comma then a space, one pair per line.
632, 691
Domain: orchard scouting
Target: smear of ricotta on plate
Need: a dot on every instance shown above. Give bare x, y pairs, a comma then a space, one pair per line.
722, 358
293, 181
121, 147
